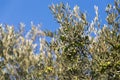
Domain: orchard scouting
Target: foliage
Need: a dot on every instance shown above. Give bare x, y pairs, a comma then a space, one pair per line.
106, 50
73, 53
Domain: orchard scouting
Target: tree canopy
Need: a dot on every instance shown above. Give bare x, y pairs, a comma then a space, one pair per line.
78, 50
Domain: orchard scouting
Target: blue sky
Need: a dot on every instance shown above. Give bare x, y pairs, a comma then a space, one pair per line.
13, 12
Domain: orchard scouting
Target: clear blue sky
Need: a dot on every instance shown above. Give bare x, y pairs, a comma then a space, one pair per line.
13, 12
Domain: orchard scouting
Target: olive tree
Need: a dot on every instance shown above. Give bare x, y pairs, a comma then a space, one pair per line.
105, 49
73, 53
